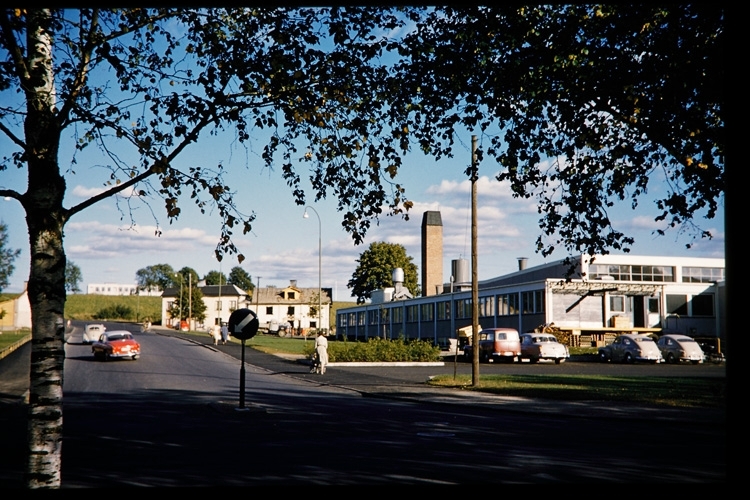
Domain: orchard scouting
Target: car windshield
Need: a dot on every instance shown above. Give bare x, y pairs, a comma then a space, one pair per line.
686, 339
644, 339
122, 336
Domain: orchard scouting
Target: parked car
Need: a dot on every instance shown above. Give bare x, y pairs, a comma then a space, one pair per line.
501, 344
116, 344
538, 346
92, 332
631, 347
676, 348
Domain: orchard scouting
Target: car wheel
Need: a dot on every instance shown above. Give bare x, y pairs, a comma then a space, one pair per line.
558, 361
135, 356
628, 358
603, 357
670, 358
695, 362
533, 360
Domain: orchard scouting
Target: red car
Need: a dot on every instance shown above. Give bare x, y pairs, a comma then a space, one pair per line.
116, 344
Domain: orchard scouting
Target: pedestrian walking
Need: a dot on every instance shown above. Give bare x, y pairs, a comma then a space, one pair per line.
224, 333
215, 332
321, 351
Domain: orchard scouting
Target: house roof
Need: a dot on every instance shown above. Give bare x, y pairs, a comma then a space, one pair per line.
276, 295
209, 291
265, 296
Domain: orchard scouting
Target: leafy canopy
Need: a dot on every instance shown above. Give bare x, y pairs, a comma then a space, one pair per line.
581, 106
160, 276
375, 270
73, 277
7, 256
215, 278
241, 279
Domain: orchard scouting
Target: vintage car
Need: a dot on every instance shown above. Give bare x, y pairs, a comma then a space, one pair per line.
92, 332
542, 346
116, 344
676, 348
631, 347
496, 344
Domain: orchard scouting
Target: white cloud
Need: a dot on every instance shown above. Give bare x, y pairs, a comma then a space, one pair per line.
89, 192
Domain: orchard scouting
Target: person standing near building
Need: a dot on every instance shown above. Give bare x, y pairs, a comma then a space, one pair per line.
224, 333
321, 349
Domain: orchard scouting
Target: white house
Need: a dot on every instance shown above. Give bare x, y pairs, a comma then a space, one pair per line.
289, 306
292, 306
221, 302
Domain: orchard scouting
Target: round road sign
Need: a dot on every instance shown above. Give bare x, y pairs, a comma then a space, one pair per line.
243, 324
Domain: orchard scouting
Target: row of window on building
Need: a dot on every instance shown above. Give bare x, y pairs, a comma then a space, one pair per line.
511, 304
623, 272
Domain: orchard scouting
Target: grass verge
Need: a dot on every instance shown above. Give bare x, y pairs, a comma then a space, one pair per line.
8, 338
659, 391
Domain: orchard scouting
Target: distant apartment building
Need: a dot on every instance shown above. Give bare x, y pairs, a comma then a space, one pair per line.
120, 289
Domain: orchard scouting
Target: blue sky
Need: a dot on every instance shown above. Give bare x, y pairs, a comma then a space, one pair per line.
283, 245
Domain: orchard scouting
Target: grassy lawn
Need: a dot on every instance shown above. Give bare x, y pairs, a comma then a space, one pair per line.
272, 344
660, 391
8, 338
87, 306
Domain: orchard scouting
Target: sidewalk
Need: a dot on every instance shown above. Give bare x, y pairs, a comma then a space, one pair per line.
396, 381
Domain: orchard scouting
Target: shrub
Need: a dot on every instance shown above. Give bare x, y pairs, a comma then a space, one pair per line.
380, 350
117, 311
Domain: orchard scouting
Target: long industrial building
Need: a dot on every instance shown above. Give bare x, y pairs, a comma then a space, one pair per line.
609, 294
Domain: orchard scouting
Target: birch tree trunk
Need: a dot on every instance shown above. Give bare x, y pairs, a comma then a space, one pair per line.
45, 216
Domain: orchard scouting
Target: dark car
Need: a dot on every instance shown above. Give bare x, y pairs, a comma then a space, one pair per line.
116, 344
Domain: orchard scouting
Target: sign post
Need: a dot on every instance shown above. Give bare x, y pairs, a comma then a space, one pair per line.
243, 324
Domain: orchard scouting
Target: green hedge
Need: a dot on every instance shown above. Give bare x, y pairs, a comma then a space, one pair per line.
379, 350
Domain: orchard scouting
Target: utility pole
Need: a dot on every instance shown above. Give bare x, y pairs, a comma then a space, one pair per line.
257, 294
190, 301
474, 282
220, 304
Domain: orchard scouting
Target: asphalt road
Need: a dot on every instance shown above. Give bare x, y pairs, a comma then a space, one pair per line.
172, 419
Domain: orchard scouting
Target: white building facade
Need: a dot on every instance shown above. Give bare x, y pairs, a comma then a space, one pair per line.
609, 294
290, 307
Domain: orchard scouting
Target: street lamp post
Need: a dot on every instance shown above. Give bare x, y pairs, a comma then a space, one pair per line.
179, 309
320, 254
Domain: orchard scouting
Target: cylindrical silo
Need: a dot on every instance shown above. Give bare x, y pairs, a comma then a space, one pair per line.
460, 271
398, 275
